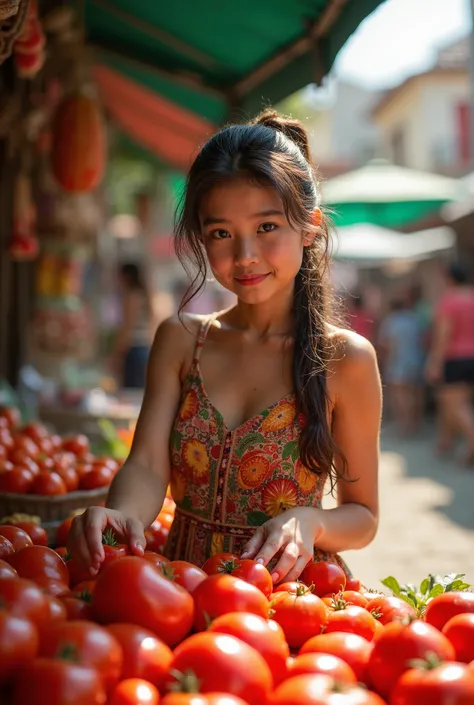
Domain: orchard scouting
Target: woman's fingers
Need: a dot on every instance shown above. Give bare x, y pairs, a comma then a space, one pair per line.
287, 562
253, 546
270, 547
296, 571
136, 536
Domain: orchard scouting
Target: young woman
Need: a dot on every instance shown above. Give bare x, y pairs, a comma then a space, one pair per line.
249, 411
451, 360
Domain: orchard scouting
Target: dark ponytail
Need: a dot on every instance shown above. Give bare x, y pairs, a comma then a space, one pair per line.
274, 151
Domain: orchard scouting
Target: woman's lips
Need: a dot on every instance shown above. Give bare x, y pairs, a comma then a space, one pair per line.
251, 279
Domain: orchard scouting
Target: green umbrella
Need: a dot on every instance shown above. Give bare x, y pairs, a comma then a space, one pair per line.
388, 195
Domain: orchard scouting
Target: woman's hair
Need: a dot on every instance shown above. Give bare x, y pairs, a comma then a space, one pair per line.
274, 151
458, 273
133, 274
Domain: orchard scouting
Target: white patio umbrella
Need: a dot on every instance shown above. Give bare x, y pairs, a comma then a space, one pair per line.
366, 243
388, 195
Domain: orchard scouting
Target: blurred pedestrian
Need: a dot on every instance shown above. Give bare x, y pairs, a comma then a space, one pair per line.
360, 319
451, 359
135, 334
401, 351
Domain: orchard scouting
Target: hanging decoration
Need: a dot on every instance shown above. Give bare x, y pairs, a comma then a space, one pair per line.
78, 150
24, 244
29, 48
12, 17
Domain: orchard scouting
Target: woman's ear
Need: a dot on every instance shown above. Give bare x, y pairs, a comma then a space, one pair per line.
316, 220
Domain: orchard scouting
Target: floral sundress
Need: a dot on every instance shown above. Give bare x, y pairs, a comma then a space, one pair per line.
226, 483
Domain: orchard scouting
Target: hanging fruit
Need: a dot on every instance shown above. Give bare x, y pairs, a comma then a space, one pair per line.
78, 149
24, 244
29, 47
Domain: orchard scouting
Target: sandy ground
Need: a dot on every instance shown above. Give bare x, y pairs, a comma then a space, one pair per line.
426, 515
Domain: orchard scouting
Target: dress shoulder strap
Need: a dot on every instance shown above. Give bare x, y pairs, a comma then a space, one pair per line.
202, 335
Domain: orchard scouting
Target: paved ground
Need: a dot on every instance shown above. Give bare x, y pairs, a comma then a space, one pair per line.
426, 515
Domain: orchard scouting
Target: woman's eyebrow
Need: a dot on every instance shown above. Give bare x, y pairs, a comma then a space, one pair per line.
261, 214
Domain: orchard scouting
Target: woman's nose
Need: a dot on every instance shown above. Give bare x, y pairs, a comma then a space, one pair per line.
246, 252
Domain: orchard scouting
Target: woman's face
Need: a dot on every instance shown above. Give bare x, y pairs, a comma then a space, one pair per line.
252, 249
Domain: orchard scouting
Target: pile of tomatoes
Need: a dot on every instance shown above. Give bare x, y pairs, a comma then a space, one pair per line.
147, 631
35, 461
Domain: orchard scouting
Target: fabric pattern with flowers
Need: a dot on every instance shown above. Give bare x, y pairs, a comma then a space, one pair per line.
226, 482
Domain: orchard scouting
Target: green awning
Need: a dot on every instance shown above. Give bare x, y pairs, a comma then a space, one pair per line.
221, 59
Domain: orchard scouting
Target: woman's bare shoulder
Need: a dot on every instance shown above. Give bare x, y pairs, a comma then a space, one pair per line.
351, 353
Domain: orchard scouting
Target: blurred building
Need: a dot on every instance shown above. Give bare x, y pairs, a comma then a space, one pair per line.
424, 122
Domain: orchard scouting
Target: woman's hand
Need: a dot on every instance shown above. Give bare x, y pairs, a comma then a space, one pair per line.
85, 535
295, 531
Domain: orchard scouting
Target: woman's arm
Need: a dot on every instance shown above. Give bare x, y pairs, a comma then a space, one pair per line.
139, 488
356, 430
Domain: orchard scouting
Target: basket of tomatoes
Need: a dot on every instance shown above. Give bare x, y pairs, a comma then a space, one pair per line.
44, 475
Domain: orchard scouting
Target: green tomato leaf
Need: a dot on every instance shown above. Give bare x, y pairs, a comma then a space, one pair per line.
425, 586
436, 590
392, 584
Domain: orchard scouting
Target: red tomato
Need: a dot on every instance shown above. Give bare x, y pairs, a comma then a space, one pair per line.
58, 682
6, 439
447, 684
388, 609
301, 616
158, 604
76, 608
18, 456
248, 570
449, 604
321, 690
134, 691
85, 588
48, 483
62, 531
77, 572
398, 645
51, 586
6, 548
7, 571
35, 531
65, 460
291, 586
222, 663
155, 559
39, 561
352, 619
222, 593
46, 446
322, 664
62, 552
112, 549
265, 635
18, 644
3, 453
17, 537
460, 632
35, 430
349, 597
351, 648
326, 577
207, 699
69, 476
27, 444
211, 566
352, 584
12, 415
91, 645
23, 599
144, 655
185, 574
97, 477
18, 480
56, 440
57, 611
156, 536
79, 444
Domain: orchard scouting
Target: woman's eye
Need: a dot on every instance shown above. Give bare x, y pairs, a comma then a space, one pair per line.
267, 227
219, 234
